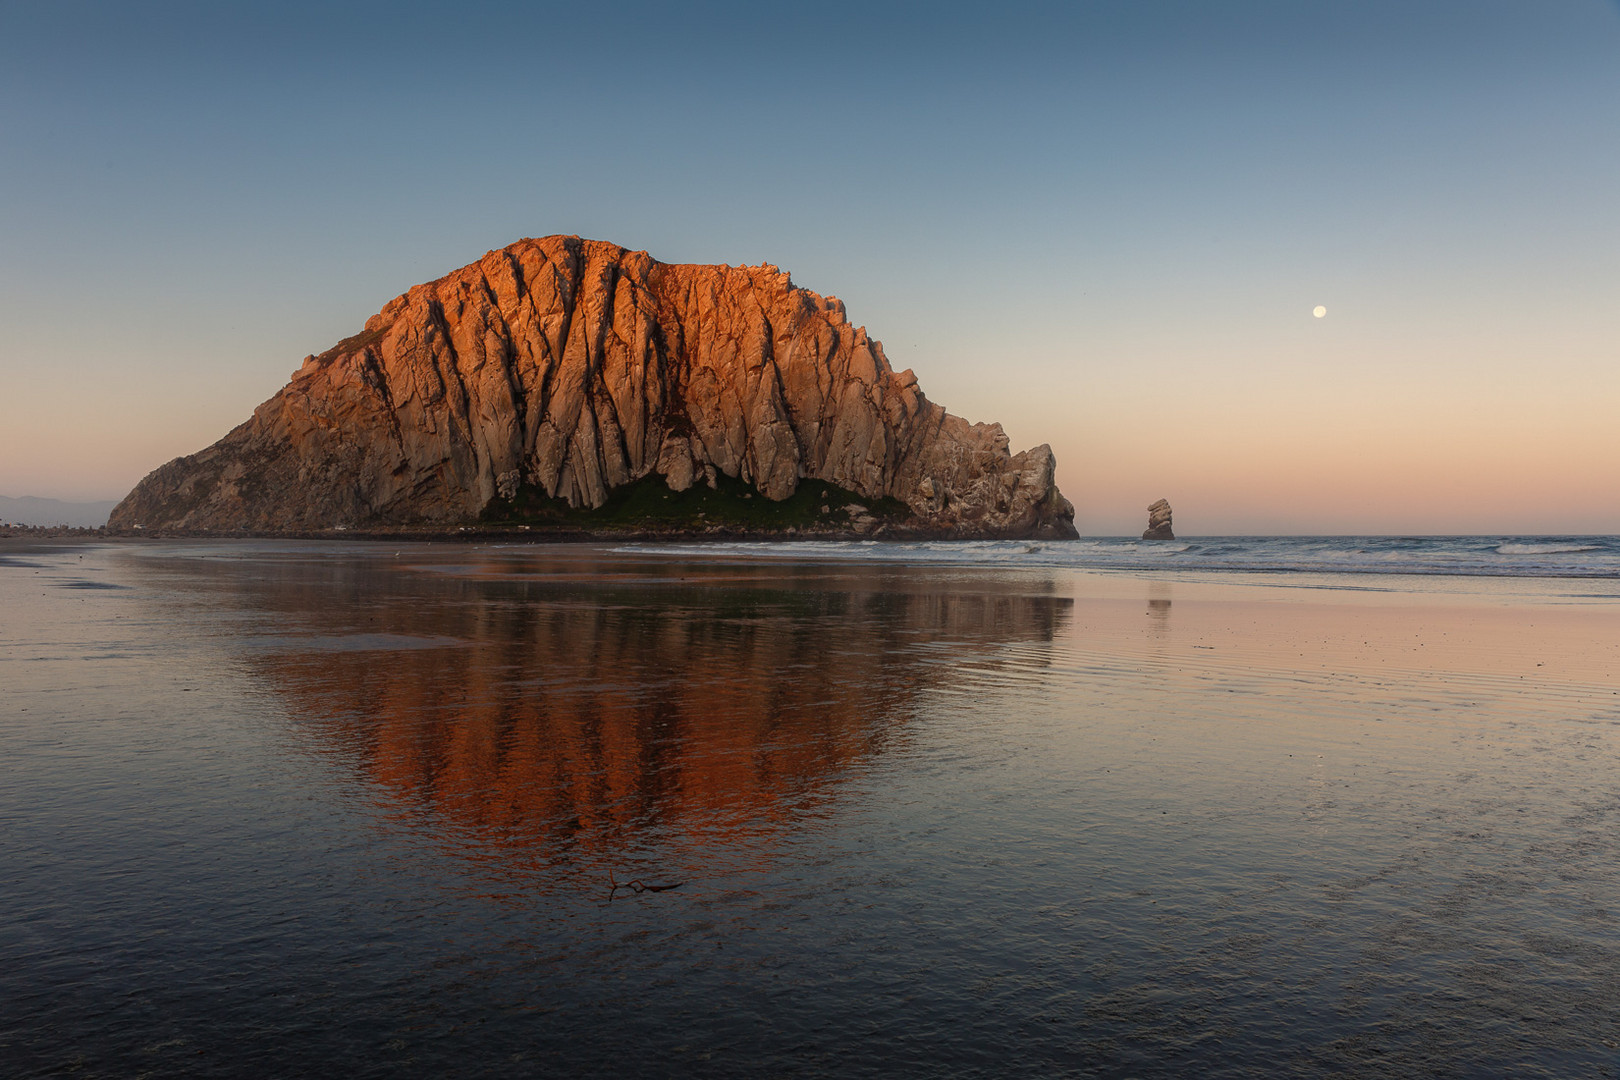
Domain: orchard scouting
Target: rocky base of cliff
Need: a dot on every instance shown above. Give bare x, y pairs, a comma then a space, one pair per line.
722, 509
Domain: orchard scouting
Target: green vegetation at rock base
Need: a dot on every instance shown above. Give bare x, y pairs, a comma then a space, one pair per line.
648, 505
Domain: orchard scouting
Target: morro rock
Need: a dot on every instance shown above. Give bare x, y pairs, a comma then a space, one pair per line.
1159, 522
573, 367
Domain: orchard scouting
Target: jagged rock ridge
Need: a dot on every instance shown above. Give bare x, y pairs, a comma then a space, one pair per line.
577, 366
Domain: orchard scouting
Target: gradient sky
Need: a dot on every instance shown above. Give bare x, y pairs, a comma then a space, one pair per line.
1104, 225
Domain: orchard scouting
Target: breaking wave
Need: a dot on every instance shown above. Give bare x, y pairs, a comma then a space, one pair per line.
1480, 556
1545, 549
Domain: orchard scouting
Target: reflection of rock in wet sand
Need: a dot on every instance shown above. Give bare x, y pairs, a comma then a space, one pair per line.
580, 712
1158, 609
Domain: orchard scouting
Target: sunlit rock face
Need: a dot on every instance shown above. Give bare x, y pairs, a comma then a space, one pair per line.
575, 367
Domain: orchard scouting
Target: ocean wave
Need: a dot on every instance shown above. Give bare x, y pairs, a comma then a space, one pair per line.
1493, 556
1546, 549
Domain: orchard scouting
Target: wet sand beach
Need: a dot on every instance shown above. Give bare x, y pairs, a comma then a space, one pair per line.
299, 807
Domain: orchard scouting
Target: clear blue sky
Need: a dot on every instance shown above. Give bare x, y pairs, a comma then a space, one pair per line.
1105, 225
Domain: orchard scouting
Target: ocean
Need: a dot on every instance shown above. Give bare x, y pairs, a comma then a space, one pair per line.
1218, 807
1426, 556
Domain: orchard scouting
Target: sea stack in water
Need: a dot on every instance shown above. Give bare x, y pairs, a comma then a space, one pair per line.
1159, 522
572, 367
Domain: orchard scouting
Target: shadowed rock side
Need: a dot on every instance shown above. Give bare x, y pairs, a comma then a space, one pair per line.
574, 367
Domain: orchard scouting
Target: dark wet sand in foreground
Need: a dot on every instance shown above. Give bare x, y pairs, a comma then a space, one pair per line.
298, 808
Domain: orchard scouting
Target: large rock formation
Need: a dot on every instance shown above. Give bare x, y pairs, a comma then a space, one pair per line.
576, 366
1159, 522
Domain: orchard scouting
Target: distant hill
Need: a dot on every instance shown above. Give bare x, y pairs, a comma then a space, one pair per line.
30, 510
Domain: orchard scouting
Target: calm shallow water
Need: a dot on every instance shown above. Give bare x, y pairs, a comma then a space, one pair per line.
283, 809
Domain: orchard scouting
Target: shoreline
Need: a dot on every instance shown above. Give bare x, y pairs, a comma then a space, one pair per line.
1384, 564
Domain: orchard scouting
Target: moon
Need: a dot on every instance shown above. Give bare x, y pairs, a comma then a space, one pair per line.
1319, 311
